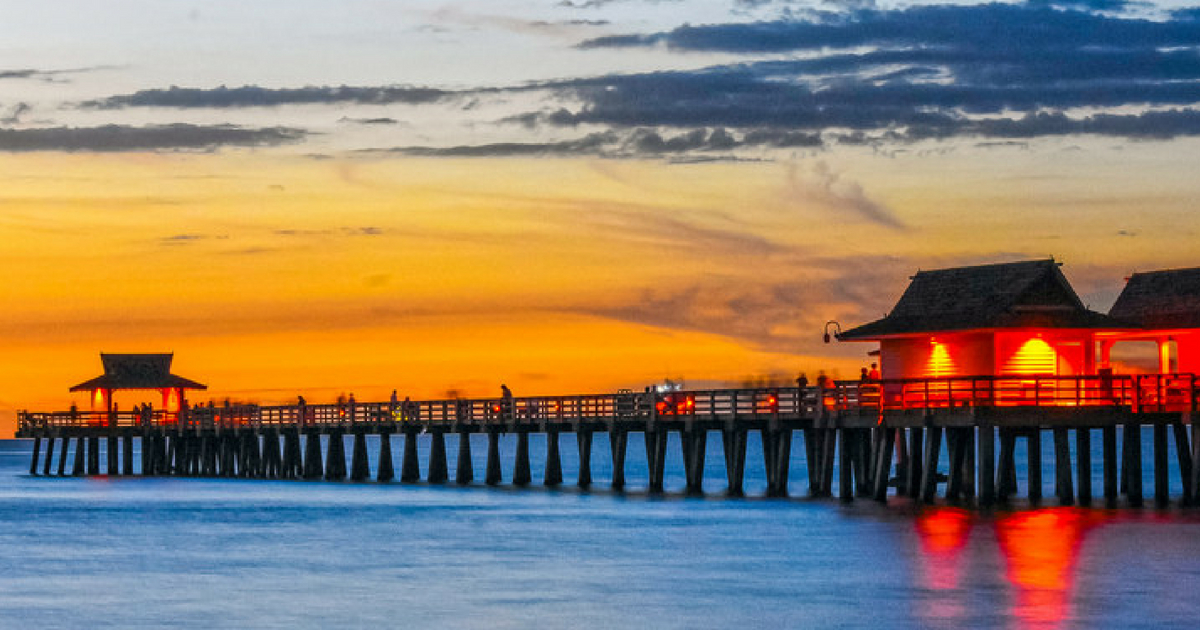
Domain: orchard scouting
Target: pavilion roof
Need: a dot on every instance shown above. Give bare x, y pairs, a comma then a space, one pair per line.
1032, 293
137, 371
1164, 299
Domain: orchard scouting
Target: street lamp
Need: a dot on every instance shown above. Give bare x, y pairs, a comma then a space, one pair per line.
837, 327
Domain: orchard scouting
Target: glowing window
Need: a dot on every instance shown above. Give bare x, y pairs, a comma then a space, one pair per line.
1035, 356
940, 362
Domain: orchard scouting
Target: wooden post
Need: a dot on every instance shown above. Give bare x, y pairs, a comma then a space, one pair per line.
986, 438
553, 474
521, 473
438, 469
734, 441
618, 441
1195, 459
62, 455
1034, 444
883, 463
1062, 467
312, 456
770, 440
845, 464
494, 474
1083, 464
1162, 483
902, 461
111, 455
1109, 438
1005, 483
410, 465
656, 446
386, 471
49, 455
916, 461
465, 472
933, 447
810, 459
693, 456
37, 447
1133, 459
360, 468
93, 455
956, 447
782, 462
583, 440
126, 455
1183, 455
80, 453
335, 457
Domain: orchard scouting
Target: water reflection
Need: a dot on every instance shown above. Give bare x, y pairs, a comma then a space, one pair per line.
1039, 548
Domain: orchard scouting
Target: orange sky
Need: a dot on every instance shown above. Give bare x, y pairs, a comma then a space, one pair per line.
271, 274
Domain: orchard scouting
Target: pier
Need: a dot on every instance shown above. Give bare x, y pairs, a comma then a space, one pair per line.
885, 436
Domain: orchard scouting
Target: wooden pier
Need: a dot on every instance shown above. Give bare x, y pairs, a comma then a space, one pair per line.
885, 437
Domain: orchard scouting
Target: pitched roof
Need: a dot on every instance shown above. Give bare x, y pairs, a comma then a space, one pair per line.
1161, 299
137, 371
1004, 295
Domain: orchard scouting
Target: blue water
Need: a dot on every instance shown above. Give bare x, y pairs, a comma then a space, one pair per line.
203, 553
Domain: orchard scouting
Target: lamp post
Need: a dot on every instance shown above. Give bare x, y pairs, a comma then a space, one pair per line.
837, 328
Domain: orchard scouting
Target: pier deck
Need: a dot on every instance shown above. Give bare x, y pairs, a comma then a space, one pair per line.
885, 436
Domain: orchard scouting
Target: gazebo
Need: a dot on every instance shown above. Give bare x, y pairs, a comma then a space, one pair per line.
137, 371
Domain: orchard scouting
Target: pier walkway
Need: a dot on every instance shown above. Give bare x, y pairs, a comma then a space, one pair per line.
884, 436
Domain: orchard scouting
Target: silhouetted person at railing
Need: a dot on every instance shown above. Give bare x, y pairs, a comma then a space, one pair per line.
863, 376
802, 381
823, 381
506, 402
874, 373
408, 411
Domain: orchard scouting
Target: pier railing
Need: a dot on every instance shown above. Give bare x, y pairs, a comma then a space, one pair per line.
1145, 393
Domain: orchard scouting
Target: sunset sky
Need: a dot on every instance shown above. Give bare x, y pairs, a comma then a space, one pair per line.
567, 196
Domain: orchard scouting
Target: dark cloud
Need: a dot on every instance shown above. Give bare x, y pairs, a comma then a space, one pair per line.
255, 96
155, 137
48, 75
925, 72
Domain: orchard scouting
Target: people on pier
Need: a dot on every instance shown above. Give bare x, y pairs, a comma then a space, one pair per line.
873, 374
506, 401
863, 375
802, 380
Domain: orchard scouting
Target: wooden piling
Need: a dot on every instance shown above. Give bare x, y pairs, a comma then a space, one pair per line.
810, 459
49, 455
583, 440
62, 455
1195, 461
360, 469
80, 454
1162, 483
656, 452
902, 461
1063, 488
916, 461
986, 439
465, 471
385, 472
957, 452
37, 448
1108, 436
1133, 455
438, 469
410, 465
1183, 455
1033, 443
126, 454
883, 463
694, 442
93, 456
494, 474
933, 447
553, 474
734, 441
111, 456
1083, 464
313, 468
335, 457
846, 437
521, 472
618, 446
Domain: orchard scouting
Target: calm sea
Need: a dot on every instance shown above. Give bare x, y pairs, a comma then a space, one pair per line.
205, 553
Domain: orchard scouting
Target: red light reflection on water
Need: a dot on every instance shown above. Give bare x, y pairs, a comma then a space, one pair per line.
943, 533
1040, 548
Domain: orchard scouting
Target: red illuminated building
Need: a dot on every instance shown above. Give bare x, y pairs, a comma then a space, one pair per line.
137, 372
1165, 307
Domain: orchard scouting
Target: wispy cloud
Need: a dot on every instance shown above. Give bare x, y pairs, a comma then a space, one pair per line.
256, 96
154, 137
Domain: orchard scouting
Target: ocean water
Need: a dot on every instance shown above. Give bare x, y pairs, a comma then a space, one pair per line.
205, 553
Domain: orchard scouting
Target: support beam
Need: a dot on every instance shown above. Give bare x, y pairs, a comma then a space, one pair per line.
1034, 459
312, 456
410, 465
1083, 464
80, 454
62, 455
521, 473
1133, 457
656, 455
111, 456
916, 460
883, 463
1183, 455
49, 455
386, 471
846, 438
126, 455
583, 440
734, 441
37, 449
93, 456
553, 474
986, 438
360, 468
335, 464
694, 442
933, 447
465, 472
1109, 437
811, 459
1063, 488
956, 449
438, 469
494, 474
1162, 481
618, 441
